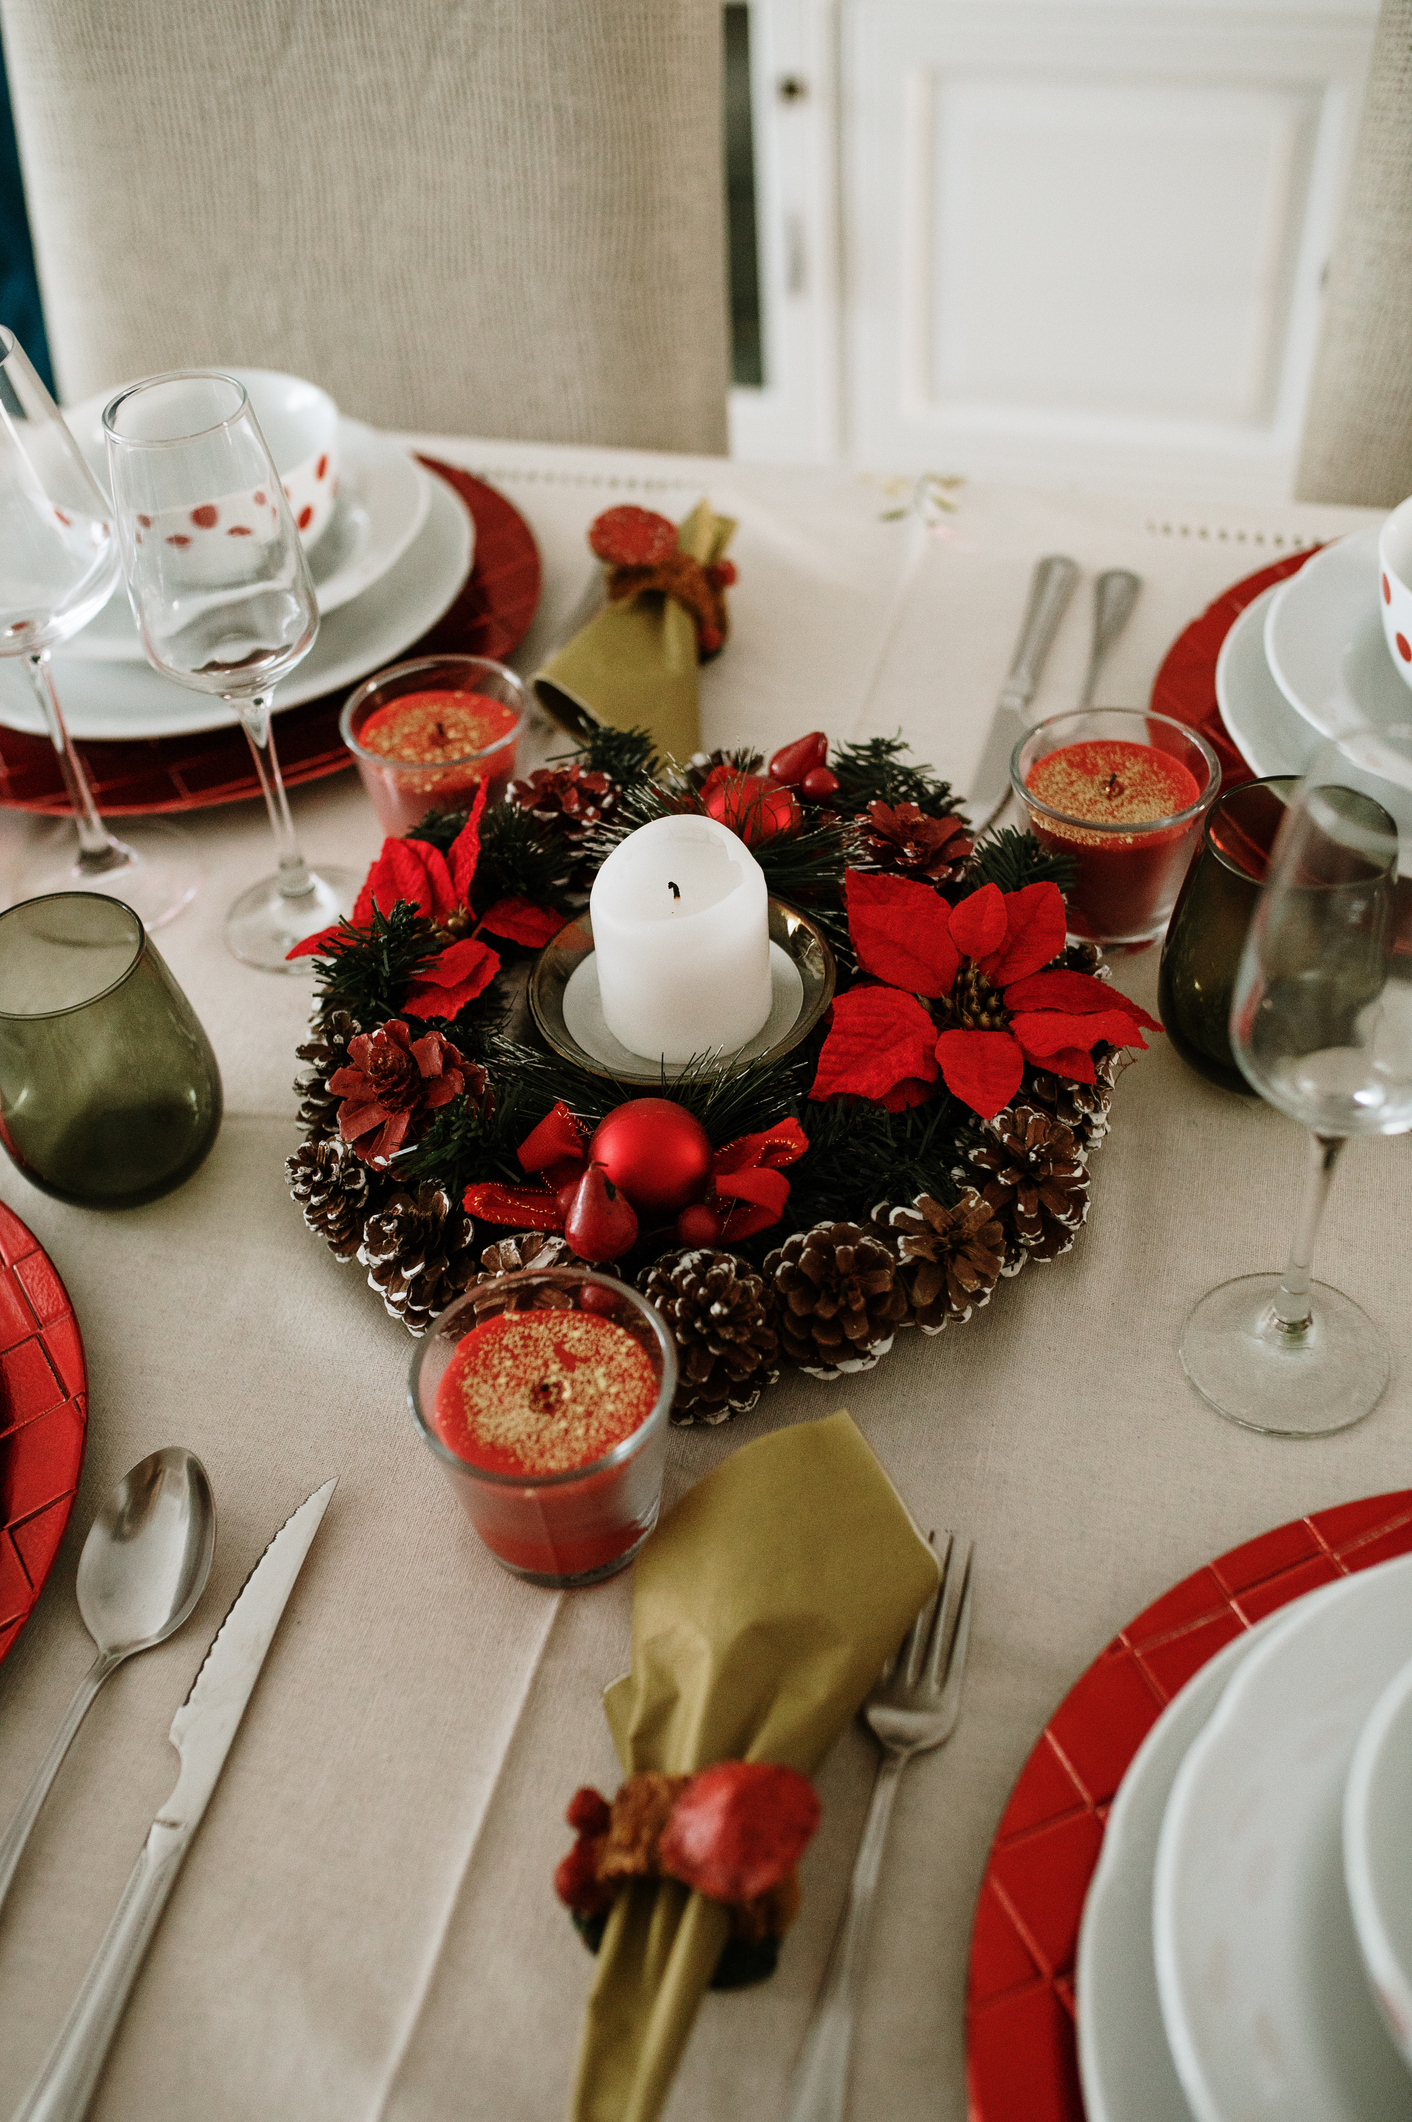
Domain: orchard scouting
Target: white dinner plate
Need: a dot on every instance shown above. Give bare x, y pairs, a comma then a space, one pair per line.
1271, 736
1124, 2061
1325, 645
132, 700
1377, 1854
1266, 2007
383, 497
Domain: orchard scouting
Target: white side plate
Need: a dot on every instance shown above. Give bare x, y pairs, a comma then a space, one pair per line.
131, 700
1271, 736
1267, 2011
1377, 1854
1324, 640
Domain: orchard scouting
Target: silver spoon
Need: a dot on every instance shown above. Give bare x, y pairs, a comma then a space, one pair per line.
143, 1567
1114, 595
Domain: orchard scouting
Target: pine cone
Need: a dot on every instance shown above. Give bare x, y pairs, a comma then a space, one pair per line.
840, 1297
951, 1257
331, 1186
1081, 1106
719, 1312
901, 839
1030, 1168
325, 1052
569, 800
417, 1251
526, 1249
392, 1083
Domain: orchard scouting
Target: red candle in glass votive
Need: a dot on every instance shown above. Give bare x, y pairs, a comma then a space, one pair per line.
550, 1419
426, 734
1126, 809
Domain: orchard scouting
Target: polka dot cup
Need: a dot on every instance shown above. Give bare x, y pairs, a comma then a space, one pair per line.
1395, 588
300, 426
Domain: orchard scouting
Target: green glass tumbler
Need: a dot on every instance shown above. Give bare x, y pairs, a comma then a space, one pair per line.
109, 1091
1210, 920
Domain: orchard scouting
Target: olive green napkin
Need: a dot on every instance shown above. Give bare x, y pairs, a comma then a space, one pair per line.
634, 665
764, 1607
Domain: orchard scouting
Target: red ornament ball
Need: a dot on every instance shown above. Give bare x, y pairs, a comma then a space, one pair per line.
750, 805
656, 1152
699, 1225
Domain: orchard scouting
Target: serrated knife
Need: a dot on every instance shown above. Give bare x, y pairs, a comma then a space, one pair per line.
202, 1730
1051, 587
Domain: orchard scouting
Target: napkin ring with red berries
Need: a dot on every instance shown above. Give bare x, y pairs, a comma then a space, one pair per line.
734, 1832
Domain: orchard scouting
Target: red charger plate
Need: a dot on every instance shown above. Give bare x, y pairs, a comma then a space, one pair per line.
1021, 2049
43, 1420
1185, 686
490, 617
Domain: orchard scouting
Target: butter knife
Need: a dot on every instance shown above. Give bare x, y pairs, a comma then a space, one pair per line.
1051, 587
202, 1730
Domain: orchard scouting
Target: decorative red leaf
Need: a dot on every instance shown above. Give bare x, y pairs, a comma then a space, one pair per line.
900, 932
1046, 1031
318, 945
1035, 928
527, 1207
978, 924
1078, 993
910, 1091
558, 1136
879, 1038
523, 922
465, 850
455, 977
983, 1069
1072, 1063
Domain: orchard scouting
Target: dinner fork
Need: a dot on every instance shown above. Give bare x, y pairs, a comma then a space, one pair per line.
912, 1708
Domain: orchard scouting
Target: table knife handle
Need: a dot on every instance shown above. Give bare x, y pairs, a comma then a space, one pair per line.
1051, 587
71, 2070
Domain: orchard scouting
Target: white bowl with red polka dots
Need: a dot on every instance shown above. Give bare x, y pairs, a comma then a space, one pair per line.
1395, 587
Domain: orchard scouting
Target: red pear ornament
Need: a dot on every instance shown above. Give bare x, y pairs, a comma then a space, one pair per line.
601, 1223
792, 762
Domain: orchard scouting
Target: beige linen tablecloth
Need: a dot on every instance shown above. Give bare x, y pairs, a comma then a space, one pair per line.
365, 1930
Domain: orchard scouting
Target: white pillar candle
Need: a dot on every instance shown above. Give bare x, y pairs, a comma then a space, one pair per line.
681, 940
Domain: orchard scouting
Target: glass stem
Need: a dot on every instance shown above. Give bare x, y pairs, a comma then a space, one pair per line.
294, 878
97, 848
1292, 1307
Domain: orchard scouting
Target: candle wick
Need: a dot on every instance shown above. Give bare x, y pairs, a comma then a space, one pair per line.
1112, 786
672, 888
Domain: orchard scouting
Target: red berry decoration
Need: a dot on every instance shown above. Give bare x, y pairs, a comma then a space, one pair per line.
657, 1152
793, 761
593, 1297
737, 1829
757, 809
632, 537
699, 1225
600, 1223
819, 784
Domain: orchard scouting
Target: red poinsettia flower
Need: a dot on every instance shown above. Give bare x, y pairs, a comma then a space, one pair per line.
439, 887
982, 964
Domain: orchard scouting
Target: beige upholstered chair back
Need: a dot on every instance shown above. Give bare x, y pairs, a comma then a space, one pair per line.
1358, 430
499, 217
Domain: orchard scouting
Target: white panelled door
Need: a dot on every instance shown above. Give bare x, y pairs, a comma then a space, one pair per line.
1077, 241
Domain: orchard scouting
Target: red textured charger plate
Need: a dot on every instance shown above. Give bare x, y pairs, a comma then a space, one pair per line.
490, 617
1185, 686
43, 1419
1021, 2053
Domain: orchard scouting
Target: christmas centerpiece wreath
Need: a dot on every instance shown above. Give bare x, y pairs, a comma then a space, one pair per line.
929, 1138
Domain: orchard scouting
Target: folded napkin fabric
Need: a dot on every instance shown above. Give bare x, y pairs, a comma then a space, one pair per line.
764, 1607
634, 665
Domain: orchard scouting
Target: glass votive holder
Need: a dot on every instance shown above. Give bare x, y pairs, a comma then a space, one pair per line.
425, 734
1209, 924
573, 1524
1098, 771
109, 1091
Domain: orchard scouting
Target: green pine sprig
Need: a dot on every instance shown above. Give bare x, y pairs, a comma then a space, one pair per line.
368, 970
1013, 859
627, 756
876, 771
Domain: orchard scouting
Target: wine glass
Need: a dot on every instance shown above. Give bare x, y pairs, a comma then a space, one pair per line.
224, 603
58, 566
1321, 1024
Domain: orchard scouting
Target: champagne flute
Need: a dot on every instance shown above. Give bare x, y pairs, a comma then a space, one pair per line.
1321, 1024
58, 567
224, 603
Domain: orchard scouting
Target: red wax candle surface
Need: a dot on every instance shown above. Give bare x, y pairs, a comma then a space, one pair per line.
543, 1392
1126, 883
433, 728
